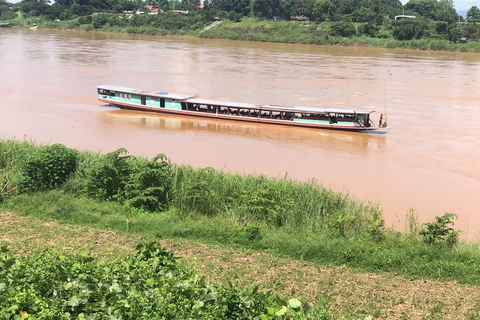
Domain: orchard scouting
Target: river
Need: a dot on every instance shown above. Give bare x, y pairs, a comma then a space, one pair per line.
429, 159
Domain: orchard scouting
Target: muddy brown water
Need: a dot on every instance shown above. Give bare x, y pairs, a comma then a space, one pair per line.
428, 160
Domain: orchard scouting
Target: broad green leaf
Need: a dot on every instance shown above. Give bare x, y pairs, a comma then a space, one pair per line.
294, 303
281, 312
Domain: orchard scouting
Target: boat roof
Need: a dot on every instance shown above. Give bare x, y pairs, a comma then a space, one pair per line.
277, 108
159, 94
192, 99
223, 103
332, 110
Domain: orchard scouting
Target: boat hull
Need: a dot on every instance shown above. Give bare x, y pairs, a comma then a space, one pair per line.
133, 106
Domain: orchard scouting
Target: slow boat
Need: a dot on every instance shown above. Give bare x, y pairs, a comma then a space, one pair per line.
164, 102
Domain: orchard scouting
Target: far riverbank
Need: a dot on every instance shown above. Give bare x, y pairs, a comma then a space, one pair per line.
249, 29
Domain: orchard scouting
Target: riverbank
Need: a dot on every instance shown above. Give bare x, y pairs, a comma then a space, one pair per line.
263, 31
301, 220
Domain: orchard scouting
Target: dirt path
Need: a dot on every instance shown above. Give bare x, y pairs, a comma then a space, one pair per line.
346, 292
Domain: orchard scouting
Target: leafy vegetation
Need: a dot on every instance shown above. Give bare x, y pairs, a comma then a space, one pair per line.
47, 169
301, 220
439, 232
148, 285
435, 26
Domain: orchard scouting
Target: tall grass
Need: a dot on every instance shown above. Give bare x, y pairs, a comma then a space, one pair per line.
398, 253
298, 219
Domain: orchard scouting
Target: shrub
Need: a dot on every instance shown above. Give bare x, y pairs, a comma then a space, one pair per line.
49, 168
148, 285
104, 178
439, 232
85, 19
343, 29
149, 185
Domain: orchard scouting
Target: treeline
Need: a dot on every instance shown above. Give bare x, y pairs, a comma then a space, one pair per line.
376, 19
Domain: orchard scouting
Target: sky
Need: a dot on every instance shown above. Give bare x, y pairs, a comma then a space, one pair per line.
460, 5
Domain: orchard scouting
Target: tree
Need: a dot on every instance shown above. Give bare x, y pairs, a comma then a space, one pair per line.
363, 15
323, 10
446, 11
34, 8
473, 14
265, 8
425, 8
343, 29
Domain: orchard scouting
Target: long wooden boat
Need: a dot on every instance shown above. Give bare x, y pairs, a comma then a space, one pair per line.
341, 119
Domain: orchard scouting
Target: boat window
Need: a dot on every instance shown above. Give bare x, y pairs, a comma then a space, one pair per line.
162, 103
143, 99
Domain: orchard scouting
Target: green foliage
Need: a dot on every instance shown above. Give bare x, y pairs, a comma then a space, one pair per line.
149, 285
298, 219
103, 178
409, 29
99, 20
49, 168
440, 232
404, 254
343, 29
149, 185
473, 14
85, 19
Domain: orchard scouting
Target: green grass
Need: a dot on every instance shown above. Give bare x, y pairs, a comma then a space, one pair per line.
301, 220
345, 292
313, 33
397, 253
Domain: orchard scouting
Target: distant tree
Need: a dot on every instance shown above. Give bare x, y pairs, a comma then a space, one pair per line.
239, 6
5, 12
409, 29
343, 29
454, 33
34, 8
323, 10
425, 8
473, 14
445, 11
363, 15
265, 8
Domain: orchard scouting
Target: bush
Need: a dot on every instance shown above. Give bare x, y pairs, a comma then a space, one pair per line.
439, 232
343, 29
49, 168
149, 185
103, 178
149, 285
85, 19
99, 20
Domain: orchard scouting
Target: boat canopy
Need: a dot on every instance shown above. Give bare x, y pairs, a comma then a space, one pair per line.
159, 94
331, 110
223, 103
227, 104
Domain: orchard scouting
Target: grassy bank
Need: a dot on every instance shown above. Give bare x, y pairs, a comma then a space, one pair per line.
319, 34
248, 30
345, 292
156, 198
